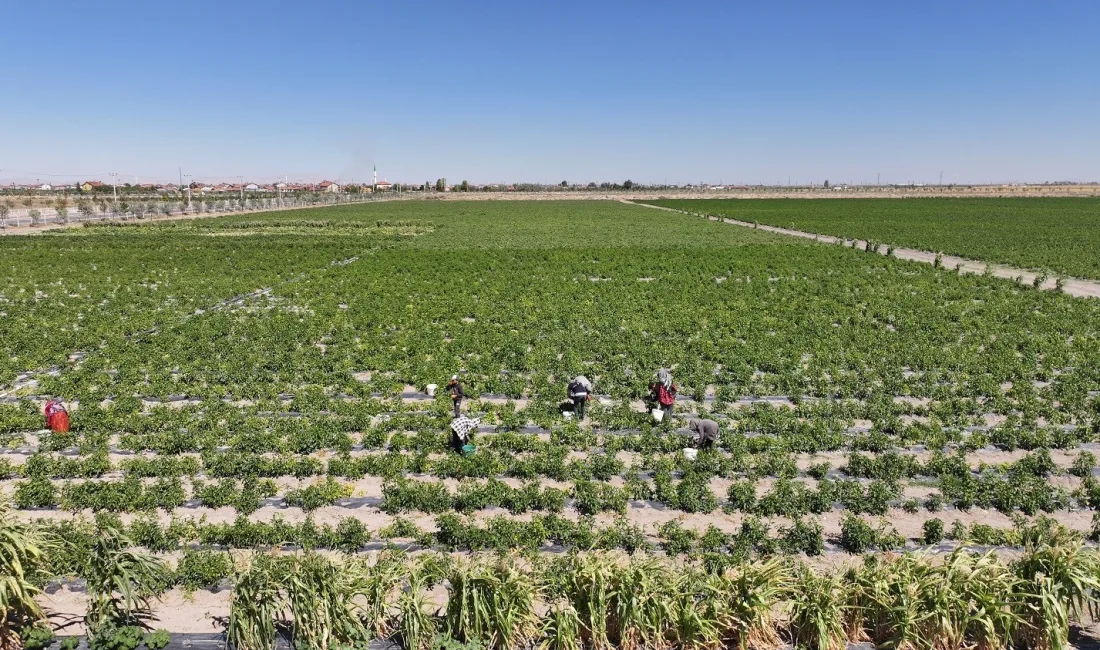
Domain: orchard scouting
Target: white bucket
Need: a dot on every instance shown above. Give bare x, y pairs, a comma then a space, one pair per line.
568, 415
690, 453
658, 415
431, 390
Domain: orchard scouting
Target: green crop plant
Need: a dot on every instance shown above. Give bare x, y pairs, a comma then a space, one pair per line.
317, 495
157, 640
1083, 464
856, 535
202, 569
932, 531
802, 537
34, 637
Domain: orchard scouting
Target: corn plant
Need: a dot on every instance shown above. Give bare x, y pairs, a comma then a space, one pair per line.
257, 603
493, 603
816, 615
320, 597
751, 593
376, 593
417, 627
1057, 584
121, 581
560, 628
589, 591
22, 550
698, 612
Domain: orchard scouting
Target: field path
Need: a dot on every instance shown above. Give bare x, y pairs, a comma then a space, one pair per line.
1076, 287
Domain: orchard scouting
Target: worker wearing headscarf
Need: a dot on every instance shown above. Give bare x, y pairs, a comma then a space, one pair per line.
663, 392
580, 391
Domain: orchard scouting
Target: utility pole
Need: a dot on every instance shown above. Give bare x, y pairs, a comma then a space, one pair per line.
114, 184
242, 188
941, 178
878, 178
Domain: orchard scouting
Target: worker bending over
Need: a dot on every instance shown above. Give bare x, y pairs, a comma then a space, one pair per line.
706, 433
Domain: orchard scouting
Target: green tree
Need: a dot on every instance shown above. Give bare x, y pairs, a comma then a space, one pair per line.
465, 186
628, 184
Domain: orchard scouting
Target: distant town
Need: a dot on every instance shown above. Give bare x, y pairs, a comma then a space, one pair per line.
96, 186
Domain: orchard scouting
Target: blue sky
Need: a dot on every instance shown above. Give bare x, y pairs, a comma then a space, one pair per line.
537, 91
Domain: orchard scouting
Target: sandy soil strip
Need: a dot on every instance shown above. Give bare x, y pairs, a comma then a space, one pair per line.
1076, 287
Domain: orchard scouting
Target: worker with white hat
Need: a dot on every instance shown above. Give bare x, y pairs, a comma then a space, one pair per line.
457, 394
580, 391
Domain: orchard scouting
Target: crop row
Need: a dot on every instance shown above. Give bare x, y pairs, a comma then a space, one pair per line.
806, 428
574, 601
754, 537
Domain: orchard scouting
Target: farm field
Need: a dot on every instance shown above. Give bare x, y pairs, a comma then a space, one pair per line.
251, 425
1045, 234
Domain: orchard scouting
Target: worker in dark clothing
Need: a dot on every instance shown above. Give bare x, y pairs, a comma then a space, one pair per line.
663, 392
706, 433
457, 394
580, 391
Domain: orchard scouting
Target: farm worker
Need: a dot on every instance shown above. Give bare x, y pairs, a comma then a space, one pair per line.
706, 433
663, 391
580, 392
456, 392
462, 429
57, 418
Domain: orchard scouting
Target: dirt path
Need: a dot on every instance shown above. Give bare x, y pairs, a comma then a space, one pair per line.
1076, 287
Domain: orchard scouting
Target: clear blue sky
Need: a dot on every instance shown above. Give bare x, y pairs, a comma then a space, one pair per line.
984, 91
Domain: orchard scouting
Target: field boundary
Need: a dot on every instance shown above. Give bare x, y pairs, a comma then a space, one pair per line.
1076, 287
78, 222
